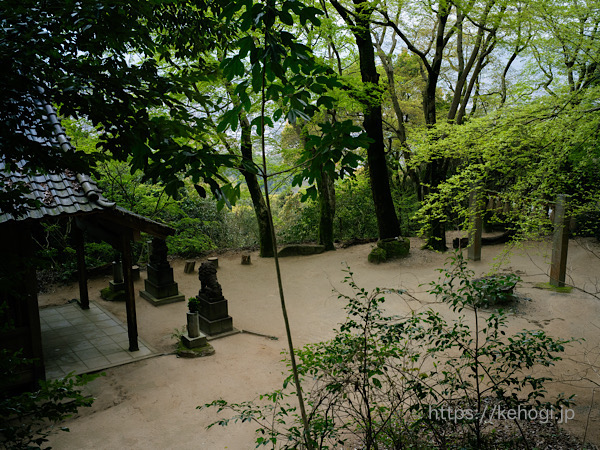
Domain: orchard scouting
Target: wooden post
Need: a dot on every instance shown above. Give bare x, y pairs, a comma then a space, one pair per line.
214, 260
189, 267
129, 292
246, 259
475, 225
560, 243
84, 299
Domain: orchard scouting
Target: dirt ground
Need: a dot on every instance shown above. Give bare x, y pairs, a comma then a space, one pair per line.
152, 403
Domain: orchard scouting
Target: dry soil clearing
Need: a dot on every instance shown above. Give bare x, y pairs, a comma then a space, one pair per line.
152, 403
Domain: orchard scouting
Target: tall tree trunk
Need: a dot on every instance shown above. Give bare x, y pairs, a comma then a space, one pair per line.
387, 220
258, 200
326, 189
434, 170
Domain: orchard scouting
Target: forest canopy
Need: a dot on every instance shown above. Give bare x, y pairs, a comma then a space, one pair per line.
427, 100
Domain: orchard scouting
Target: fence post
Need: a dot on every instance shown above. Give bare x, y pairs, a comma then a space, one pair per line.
560, 243
475, 226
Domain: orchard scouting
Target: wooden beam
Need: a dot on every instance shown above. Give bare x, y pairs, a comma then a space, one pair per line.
127, 219
129, 292
84, 299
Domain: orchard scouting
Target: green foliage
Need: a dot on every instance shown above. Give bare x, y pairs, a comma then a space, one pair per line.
193, 304
56, 255
296, 221
355, 211
27, 419
377, 381
140, 106
522, 158
190, 239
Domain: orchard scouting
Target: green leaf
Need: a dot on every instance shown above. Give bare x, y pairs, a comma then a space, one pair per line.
310, 14
293, 114
326, 101
286, 18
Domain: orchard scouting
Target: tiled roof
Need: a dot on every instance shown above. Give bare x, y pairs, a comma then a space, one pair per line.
58, 194
65, 193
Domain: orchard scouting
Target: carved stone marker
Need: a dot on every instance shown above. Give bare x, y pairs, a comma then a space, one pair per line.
116, 287
212, 308
117, 283
160, 287
115, 292
193, 338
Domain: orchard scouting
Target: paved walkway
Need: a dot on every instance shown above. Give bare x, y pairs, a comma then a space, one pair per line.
82, 341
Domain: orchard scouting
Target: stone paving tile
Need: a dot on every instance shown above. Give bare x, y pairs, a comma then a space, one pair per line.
80, 341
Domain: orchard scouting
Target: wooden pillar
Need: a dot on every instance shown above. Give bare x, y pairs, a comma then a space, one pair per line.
129, 291
475, 227
84, 299
560, 243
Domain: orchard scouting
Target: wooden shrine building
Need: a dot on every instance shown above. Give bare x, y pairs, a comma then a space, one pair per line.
75, 199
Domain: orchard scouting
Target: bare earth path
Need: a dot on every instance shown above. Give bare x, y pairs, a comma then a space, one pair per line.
151, 404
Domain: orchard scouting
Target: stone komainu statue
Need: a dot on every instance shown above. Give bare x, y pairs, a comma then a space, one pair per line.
209, 286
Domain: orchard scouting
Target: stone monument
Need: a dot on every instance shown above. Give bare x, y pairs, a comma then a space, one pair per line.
160, 287
210, 304
193, 338
116, 287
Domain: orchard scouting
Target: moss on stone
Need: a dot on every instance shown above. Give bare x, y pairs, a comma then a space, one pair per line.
183, 352
395, 247
377, 255
112, 296
551, 287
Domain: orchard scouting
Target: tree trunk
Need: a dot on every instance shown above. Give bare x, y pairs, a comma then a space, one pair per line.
435, 173
327, 210
387, 220
258, 201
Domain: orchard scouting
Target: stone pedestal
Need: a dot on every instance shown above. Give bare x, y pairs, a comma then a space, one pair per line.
213, 316
160, 287
211, 306
116, 287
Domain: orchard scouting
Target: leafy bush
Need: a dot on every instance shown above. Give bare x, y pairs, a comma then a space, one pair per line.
242, 226
355, 211
296, 221
190, 238
28, 418
376, 383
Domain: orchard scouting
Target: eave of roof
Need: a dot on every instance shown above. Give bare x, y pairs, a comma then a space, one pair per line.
67, 193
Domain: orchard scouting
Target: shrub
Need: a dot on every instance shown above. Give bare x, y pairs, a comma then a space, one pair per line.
28, 418
377, 381
355, 211
190, 238
296, 221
